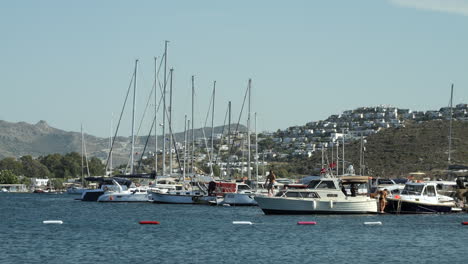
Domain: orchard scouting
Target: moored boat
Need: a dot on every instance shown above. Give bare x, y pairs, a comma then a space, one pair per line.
322, 196
420, 198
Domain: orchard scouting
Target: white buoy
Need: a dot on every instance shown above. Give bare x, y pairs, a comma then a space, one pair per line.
373, 223
57, 222
242, 223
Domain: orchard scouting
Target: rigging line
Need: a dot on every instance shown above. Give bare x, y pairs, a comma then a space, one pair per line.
120, 119
222, 133
204, 126
157, 110
240, 116
146, 144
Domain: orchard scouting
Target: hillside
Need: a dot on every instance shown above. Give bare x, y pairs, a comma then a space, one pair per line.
417, 147
19, 139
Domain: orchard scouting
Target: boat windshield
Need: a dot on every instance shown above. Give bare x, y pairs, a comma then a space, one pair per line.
243, 187
322, 184
412, 189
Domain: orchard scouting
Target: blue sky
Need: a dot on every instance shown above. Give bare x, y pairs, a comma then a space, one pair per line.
70, 62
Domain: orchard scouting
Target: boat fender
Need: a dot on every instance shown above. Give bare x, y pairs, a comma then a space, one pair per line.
331, 203
57, 222
314, 203
373, 223
149, 222
306, 223
111, 198
195, 198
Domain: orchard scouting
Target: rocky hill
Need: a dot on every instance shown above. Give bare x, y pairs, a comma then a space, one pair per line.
417, 147
19, 139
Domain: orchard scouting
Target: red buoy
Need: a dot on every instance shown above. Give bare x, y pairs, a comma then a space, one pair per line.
464, 223
149, 223
306, 223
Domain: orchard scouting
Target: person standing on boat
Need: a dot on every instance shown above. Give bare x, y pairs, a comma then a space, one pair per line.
382, 199
270, 182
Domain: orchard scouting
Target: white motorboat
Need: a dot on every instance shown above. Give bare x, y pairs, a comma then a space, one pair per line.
322, 196
420, 198
105, 184
243, 195
134, 194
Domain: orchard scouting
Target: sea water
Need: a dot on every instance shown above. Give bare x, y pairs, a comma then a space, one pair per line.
110, 233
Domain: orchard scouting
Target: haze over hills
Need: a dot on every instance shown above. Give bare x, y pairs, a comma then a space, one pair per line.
19, 139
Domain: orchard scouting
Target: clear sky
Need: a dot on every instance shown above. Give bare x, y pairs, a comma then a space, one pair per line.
70, 62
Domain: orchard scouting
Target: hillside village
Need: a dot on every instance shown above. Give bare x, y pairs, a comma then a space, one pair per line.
301, 142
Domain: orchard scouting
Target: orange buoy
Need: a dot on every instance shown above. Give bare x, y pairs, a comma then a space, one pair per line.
306, 223
149, 223
464, 223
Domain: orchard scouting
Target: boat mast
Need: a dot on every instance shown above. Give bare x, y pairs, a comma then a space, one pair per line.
133, 119
185, 144
155, 117
170, 122
212, 129
249, 173
164, 110
229, 140
256, 149
343, 153
82, 156
193, 122
450, 128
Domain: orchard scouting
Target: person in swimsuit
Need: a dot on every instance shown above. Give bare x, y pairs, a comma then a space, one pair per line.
382, 200
270, 182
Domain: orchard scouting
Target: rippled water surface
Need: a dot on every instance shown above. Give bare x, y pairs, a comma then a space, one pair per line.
110, 233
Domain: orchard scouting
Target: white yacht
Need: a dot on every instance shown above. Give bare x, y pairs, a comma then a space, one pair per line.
323, 196
119, 194
420, 198
243, 195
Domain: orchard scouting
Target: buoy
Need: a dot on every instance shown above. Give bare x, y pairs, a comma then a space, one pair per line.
242, 222
306, 223
373, 223
464, 223
57, 222
149, 223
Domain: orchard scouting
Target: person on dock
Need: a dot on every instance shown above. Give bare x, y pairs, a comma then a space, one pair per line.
382, 199
270, 183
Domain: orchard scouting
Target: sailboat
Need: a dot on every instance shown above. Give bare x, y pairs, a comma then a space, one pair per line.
81, 189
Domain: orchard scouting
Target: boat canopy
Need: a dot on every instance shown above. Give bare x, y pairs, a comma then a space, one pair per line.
355, 179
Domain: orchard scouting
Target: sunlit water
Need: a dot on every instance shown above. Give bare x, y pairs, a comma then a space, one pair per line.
110, 233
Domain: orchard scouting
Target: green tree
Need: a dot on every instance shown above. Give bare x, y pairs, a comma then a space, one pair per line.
96, 167
57, 183
8, 177
33, 168
53, 162
12, 165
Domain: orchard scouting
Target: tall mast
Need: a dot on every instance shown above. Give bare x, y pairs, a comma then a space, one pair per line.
337, 157
343, 152
361, 156
133, 119
193, 122
185, 144
212, 129
82, 156
256, 148
164, 110
110, 144
249, 173
229, 140
170, 122
155, 117
450, 127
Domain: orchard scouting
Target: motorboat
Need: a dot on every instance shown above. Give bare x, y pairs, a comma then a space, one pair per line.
420, 198
243, 195
75, 190
105, 184
133, 194
326, 195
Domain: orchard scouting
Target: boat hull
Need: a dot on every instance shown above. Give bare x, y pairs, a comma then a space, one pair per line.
399, 206
91, 195
123, 197
282, 205
239, 199
168, 198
